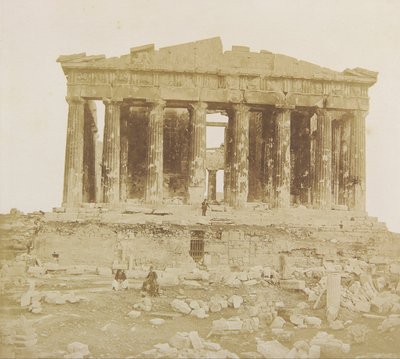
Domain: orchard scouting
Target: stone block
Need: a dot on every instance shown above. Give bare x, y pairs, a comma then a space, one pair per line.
195, 340
211, 346
272, 349
199, 313
278, 322
297, 319
336, 325
313, 321
180, 306
180, 341
194, 304
250, 282
235, 301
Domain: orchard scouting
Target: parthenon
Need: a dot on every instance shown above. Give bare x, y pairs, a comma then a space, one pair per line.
295, 133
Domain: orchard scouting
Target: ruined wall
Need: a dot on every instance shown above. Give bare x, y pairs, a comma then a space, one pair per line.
167, 244
176, 153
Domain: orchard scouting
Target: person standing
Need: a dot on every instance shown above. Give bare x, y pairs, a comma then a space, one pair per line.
204, 206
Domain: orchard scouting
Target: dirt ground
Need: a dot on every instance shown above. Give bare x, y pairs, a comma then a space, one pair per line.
102, 323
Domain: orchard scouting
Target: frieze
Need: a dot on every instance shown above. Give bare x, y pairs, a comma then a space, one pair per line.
218, 81
122, 77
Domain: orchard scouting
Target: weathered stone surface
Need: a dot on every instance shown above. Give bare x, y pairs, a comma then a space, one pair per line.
195, 340
272, 349
180, 341
278, 322
235, 301
180, 306
313, 321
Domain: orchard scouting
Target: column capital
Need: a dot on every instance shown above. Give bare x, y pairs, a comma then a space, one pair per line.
156, 104
240, 107
74, 100
324, 112
359, 112
110, 101
198, 106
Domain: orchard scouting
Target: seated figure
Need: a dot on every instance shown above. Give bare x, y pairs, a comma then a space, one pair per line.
150, 285
120, 281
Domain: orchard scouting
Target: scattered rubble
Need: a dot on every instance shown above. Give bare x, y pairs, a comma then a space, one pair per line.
188, 345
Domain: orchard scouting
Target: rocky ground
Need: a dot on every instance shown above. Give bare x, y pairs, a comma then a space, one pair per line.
54, 310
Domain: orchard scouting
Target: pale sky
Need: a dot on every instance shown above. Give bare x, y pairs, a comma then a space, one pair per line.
335, 34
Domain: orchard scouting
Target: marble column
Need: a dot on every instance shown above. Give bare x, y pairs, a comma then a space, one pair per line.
322, 184
240, 153
282, 157
357, 160
269, 157
197, 171
212, 185
123, 188
73, 173
336, 129
111, 152
344, 162
155, 167
227, 158
89, 152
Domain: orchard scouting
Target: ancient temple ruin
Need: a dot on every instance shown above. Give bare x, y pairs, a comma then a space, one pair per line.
295, 133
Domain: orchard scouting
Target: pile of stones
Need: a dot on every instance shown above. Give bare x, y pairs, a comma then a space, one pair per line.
188, 345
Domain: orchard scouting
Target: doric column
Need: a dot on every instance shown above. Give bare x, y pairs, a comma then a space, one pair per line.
73, 173
357, 160
269, 157
336, 129
282, 157
240, 152
322, 188
89, 152
227, 160
123, 190
212, 185
111, 152
154, 179
344, 161
197, 171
